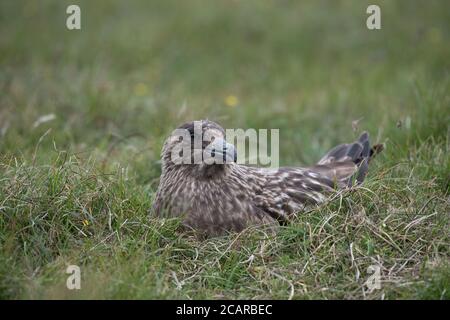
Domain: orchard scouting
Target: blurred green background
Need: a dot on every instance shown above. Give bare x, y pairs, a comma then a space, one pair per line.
141, 68
115, 89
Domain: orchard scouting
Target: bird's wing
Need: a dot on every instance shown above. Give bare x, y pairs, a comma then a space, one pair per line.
287, 191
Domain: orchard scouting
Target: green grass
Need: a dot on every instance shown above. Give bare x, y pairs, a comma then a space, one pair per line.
77, 189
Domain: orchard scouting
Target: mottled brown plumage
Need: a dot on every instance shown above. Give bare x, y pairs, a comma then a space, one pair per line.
218, 198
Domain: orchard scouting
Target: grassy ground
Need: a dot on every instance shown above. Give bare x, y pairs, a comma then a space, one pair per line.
76, 189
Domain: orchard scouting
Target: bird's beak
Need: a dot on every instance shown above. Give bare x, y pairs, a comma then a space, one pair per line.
220, 149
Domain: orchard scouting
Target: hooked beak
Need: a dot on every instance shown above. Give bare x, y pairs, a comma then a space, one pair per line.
222, 151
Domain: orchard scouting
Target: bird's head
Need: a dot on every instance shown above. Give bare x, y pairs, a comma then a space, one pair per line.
199, 146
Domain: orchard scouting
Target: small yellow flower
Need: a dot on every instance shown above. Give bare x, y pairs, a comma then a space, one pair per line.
140, 89
85, 222
231, 101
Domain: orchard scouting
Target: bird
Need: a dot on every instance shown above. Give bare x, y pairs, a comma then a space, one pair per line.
221, 197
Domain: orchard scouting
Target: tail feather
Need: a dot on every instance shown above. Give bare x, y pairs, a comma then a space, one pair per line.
357, 155
354, 151
364, 140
